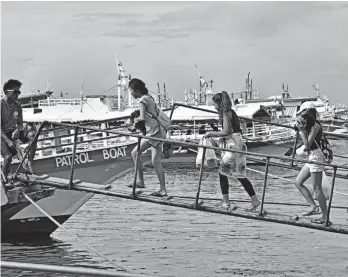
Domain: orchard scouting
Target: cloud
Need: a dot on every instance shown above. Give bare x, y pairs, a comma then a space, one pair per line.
25, 60
92, 17
163, 33
129, 45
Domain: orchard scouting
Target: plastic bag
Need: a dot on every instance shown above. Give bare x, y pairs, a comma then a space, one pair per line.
210, 160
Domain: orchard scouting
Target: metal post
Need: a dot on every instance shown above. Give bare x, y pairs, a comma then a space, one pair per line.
73, 157
294, 149
331, 195
264, 186
200, 177
43, 124
136, 168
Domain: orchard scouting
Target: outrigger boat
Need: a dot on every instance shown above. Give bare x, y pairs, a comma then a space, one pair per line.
111, 154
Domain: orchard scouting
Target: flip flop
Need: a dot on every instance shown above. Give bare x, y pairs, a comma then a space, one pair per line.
158, 194
137, 185
312, 212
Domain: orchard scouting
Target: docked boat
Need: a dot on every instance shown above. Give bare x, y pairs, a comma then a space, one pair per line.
109, 156
63, 204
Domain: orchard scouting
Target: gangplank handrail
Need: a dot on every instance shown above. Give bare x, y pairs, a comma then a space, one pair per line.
140, 137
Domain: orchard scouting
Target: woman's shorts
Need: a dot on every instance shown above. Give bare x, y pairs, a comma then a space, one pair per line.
156, 143
316, 156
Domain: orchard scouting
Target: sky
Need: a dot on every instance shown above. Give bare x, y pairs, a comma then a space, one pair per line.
74, 43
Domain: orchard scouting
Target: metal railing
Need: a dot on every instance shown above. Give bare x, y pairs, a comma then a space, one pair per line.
173, 142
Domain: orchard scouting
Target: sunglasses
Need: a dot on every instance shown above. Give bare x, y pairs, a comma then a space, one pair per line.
16, 91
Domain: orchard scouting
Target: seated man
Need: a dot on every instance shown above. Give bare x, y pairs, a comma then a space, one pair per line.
12, 127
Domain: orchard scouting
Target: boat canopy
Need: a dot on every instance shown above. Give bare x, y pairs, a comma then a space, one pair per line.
252, 111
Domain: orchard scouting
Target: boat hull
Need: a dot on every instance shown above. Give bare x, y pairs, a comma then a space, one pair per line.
102, 166
83, 159
30, 222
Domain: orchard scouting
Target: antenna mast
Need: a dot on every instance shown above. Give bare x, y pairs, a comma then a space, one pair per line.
316, 87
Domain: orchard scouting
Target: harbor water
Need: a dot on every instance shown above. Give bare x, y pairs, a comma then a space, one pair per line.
169, 241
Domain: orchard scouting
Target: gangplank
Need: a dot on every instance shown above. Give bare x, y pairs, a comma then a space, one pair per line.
339, 224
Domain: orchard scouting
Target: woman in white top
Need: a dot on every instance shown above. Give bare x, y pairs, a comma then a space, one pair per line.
154, 129
311, 132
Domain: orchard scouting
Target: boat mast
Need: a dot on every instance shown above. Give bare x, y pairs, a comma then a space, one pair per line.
81, 99
122, 84
164, 96
159, 94
47, 92
118, 83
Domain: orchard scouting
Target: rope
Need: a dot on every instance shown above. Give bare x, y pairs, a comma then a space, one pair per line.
59, 225
281, 178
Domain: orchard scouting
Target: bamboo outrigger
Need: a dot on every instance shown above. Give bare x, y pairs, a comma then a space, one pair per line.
197, 202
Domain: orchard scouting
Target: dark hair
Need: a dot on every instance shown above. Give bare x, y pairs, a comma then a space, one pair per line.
138, 85
310, 116
224, 100
11, 84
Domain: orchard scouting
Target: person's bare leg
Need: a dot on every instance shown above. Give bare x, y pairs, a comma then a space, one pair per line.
6, 165
156, 161
317, 178
140, 174
31, 154
301, 178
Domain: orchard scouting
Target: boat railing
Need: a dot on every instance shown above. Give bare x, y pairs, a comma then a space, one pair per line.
264, 158
247, 119
50, 144
272, 125
262, 131
55, 102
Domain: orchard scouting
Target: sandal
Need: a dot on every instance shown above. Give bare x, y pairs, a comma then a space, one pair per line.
158, 194
231, 208
320, 221
312, 212
223, 205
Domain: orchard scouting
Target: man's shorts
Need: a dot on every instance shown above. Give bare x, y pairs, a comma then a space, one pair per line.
6, 150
